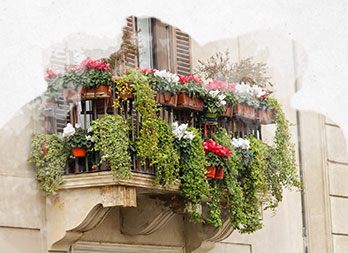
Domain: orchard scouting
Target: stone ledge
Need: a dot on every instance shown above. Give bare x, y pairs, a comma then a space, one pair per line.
143, 183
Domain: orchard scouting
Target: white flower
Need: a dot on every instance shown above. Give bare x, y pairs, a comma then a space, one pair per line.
213, 93
77, 125
68, 130
221, 97
240, 143
89, 138
180, 131
222, 102
244, 88
189, 135
167, 76
90, 129
258, 91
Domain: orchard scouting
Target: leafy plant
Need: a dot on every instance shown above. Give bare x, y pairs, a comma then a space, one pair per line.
194, 185
110, 134
145, 104
49, 167
79, 139
166, 159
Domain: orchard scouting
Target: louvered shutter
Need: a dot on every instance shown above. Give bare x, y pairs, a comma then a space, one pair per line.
56, 114
131, 59
182, 53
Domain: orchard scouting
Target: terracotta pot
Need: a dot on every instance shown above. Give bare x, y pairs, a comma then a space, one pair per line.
186, 102
265, 117
44, 148
79, 152
211, 172
166, 98
219, 173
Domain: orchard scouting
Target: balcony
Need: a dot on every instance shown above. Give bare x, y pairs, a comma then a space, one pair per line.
165, 147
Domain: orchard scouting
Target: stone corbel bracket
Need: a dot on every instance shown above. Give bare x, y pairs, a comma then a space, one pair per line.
72, 212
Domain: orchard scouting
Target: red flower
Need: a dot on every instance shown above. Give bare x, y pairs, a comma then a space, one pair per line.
187, 79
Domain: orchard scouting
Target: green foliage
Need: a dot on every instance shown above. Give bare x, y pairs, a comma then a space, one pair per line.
49, 167
110, 134
194, 185
95, 78
79, 140
166, 158
282, 170
145, 104
216, 192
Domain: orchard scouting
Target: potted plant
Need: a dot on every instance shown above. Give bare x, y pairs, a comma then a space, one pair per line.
190, 93
214, 104
49, 153
96, 77
216, 154
77, 139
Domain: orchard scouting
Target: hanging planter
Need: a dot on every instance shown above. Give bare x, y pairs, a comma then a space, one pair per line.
186, 102
219, 173
79, 152
211, 170
210, 115
166, 98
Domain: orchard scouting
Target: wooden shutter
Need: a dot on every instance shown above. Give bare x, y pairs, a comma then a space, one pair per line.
131, 59
182, 53
160, 45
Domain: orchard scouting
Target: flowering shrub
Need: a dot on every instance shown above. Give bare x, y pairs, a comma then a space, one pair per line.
216, 153
214, 101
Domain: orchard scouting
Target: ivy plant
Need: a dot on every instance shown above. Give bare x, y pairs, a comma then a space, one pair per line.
49, 167
110, 135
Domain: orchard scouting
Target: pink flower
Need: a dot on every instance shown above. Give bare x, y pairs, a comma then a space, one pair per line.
50, 74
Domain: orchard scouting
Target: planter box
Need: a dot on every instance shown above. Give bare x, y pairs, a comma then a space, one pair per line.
186, 102
166, 98
211, 172
265, 117
101, 91
244, 111
228, 111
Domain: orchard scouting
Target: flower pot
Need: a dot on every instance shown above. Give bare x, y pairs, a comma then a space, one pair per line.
219, 173
210, 115
186, 102
79, 152
211, 170
166, 98
44, 148
126, 92
228, 111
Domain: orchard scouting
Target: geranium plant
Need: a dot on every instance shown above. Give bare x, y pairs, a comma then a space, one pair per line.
97, 73
216, 153
214, 102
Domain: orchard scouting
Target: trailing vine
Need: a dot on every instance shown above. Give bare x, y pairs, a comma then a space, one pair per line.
145, 104
282, 170
49, 167
194, 185
166, 159
110, 134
